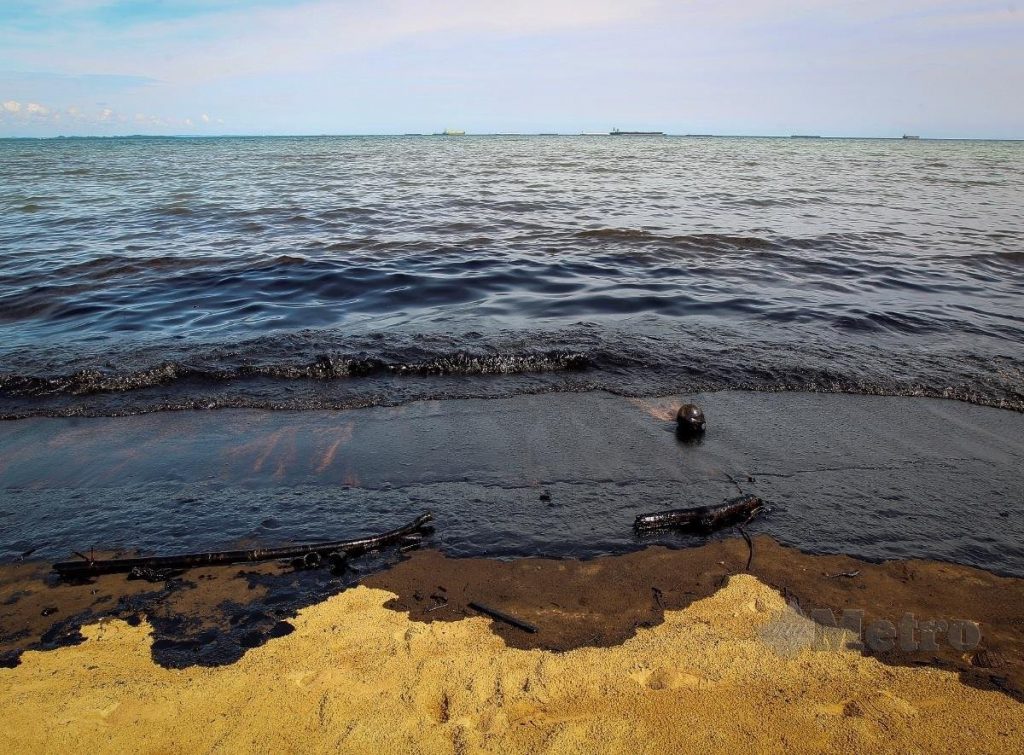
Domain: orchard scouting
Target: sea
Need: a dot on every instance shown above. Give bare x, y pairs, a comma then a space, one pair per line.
145, 274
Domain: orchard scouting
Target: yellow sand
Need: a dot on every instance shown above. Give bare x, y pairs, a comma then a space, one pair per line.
355, 676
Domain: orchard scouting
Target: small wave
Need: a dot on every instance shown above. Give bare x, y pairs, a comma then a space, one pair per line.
896, 322
766, 202
324, 367
995, 257
696, 241
113, 265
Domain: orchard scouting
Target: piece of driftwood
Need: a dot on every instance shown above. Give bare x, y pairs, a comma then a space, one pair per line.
494, 613
312, 552
702, 518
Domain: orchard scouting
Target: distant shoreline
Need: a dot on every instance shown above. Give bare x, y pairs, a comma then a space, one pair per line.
788, 137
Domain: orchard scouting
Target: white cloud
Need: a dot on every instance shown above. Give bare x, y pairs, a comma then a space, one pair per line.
104, 118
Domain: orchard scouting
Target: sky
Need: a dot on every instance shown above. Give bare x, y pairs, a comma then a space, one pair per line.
845, 68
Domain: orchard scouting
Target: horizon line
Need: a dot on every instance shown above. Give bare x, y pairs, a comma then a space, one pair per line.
242, 135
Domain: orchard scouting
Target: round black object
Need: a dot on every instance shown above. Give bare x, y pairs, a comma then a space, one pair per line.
690, 420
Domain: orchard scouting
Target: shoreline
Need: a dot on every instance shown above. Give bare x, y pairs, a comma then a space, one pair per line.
961, 620
358, 675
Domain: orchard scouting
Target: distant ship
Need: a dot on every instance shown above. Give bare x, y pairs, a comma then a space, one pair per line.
616, 132
451, 132
910, 136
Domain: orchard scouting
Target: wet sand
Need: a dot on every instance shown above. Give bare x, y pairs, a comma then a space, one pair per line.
552, 475
358, 676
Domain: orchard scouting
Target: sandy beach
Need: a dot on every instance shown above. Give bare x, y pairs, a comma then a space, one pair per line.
657, 649
355, 675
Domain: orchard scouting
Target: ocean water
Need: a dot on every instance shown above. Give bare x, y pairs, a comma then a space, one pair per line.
141, 274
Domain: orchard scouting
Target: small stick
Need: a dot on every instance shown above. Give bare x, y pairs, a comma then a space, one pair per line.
851, 574
750, 546
733, 481
29, 552
502, 616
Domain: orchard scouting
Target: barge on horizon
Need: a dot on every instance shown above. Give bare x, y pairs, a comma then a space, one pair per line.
616, 132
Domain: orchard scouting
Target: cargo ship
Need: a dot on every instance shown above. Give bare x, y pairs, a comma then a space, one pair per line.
911, 136
616, 132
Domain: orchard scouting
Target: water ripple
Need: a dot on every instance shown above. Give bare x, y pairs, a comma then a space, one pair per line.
130, 259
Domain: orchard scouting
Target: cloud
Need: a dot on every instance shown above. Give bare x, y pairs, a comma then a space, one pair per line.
26, 111
235, 41
14, 113
186, 41
325, 65
190, 43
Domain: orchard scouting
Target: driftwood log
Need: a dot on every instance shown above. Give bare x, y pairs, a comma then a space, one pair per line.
702, 518
88, 567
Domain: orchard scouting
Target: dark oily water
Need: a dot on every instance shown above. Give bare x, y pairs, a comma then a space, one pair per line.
140, 274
